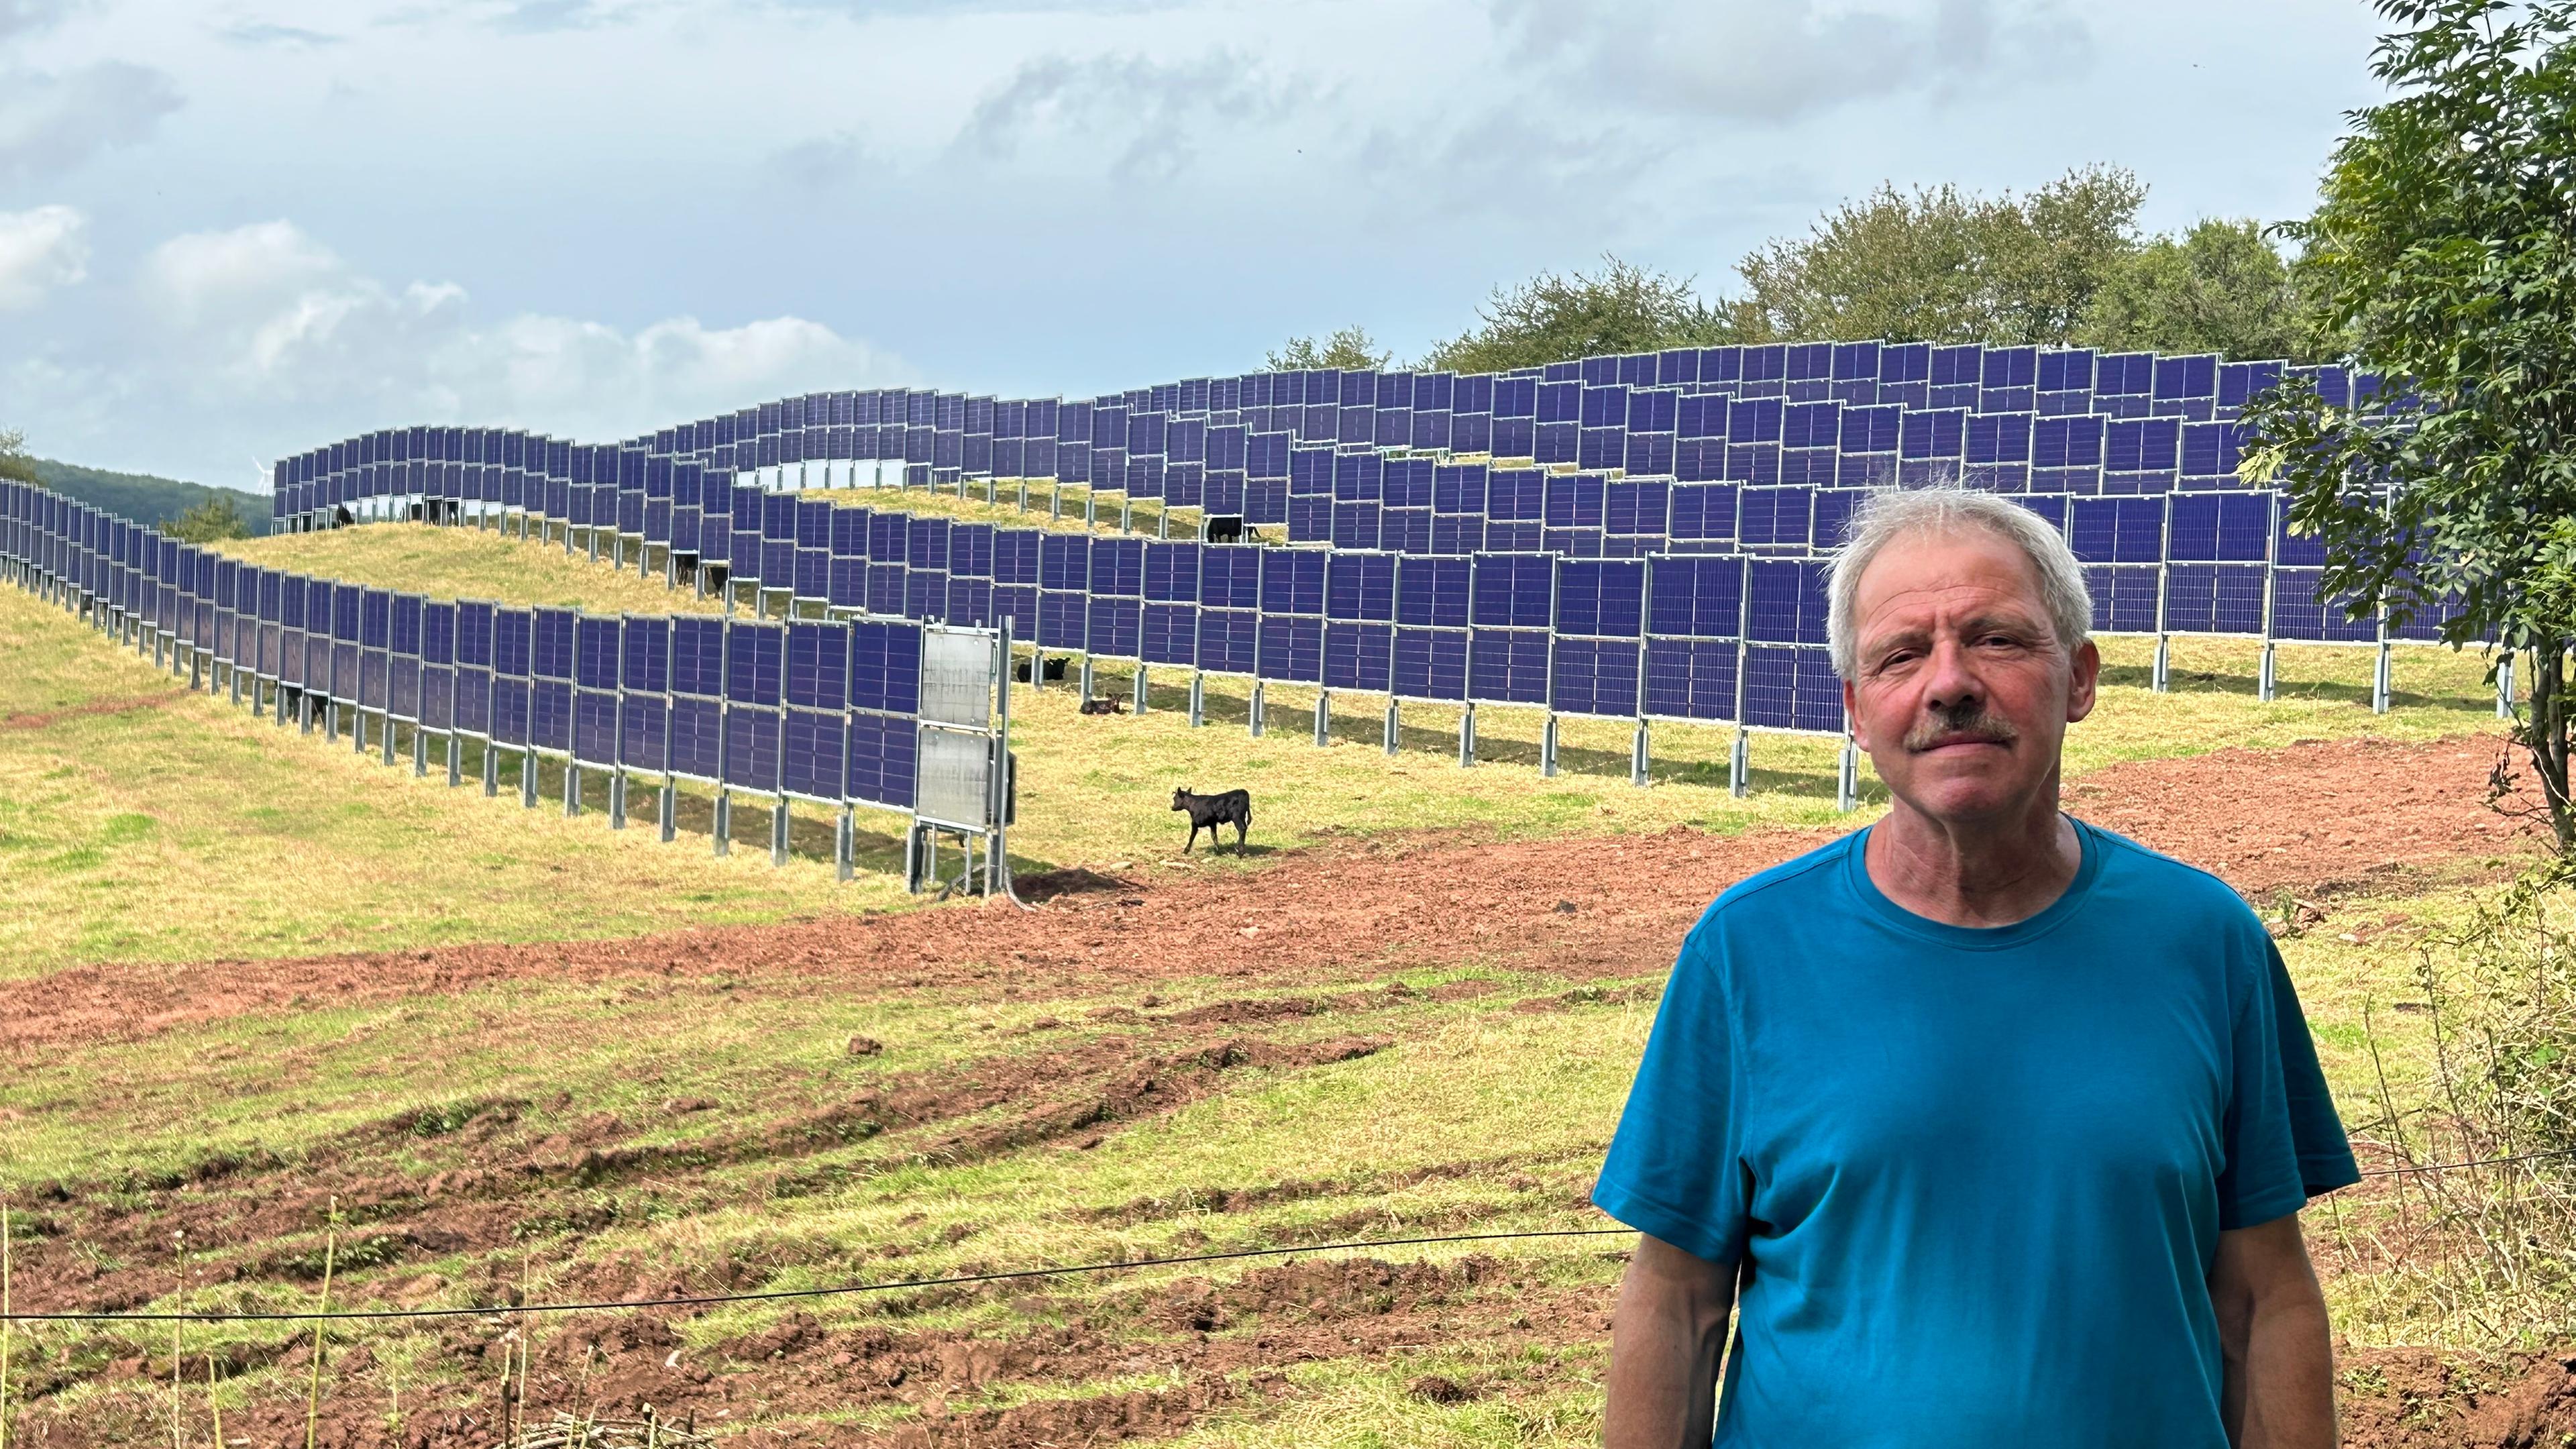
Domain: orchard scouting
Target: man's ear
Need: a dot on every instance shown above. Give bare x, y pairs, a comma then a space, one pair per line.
1851, 713
2084, 684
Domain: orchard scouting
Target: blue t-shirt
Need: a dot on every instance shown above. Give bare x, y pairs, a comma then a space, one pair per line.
1979, 1174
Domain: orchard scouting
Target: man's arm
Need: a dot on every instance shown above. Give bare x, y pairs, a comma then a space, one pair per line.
1665, 1341
2273, 1331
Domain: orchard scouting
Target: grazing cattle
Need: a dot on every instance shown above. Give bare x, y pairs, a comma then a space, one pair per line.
1054, 668
1223, 528
1207, 812
1111, 705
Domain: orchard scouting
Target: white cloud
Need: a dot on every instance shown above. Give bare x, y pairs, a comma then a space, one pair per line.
40, 250
265, 316
1775, 61
51, 123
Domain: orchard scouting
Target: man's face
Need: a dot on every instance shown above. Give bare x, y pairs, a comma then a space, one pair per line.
1962, 693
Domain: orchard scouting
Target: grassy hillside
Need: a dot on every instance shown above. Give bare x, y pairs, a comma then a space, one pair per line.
142, 497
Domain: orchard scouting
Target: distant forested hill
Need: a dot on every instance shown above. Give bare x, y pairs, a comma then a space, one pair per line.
142, 497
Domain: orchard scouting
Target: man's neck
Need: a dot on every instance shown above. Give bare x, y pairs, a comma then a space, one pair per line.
1975, 873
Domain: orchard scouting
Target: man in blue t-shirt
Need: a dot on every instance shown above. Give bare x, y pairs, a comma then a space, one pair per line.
1985, 1126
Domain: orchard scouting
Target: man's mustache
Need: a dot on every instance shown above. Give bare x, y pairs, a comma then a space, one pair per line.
1976, 727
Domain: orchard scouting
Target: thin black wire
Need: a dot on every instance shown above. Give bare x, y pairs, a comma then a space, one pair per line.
779, 1294
2474, 1162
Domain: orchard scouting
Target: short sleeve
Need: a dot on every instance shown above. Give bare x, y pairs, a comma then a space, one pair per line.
2285, 1143
1675, 1167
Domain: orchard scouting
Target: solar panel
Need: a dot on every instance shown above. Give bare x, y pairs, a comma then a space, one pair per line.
1229, 639
1360, 586
1512, 591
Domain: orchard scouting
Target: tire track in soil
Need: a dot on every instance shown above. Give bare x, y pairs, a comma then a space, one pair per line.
2312, 818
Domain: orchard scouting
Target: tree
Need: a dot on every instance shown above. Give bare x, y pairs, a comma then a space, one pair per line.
1350, 349
15, 462
2219, 287
1551, 318
1943, 265
2444, 246
208, 521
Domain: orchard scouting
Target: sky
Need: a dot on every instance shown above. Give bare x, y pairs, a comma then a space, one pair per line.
233, 229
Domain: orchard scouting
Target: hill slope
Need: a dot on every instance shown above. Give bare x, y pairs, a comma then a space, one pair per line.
142, 497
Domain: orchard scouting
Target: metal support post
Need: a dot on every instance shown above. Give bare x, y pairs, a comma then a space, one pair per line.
254, 689
2382, 676
1198, 698
1547, 747
455, 761
912, 859
330, 721
2163, 677
2504, 686
845, 844
2266, 681
1637, 757
1090, 509
1254, 712
385, 723
419, 753
1739, 764
1323, 718
593, 542
491, 770
617, 799
1086, 679
1394, 727
1847, 777
571, 790
1024, 495
196, 669
1467, 736
527, 779
1163, 523
724, 821
778, 832
1141, 704
666, 809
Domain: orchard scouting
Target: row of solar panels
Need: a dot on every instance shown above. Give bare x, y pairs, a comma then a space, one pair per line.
1648, 413
1706, 636
2189, 563
826, 711
1230, 468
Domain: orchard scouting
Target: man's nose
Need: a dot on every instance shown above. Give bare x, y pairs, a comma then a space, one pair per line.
1952, 685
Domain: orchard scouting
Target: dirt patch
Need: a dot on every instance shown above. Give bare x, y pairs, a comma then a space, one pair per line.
128, 705
2311, 818
2320, 819
2416, 1399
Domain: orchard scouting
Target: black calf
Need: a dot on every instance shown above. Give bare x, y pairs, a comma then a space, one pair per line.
1207, 812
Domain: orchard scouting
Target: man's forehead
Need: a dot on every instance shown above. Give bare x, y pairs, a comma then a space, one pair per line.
1949, 568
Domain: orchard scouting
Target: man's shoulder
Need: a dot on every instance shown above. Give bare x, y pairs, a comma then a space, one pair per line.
1789, 885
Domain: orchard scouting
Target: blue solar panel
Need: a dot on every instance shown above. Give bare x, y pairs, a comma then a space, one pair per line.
1512, 590
751, 747
1507, 666
1595, 677
2214, 598
1600, 597
1785, 601
811, 754
880, 760
2124, 597
697, 656
1691, 679
1170, 633
1360, 586
594, 726
1292, 648
885, 667
817, 665
1358, 655
1115, 627
1229, 640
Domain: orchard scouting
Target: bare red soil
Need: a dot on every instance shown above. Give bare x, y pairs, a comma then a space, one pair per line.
2314, 819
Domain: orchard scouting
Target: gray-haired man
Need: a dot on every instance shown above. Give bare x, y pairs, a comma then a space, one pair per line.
1984, 1125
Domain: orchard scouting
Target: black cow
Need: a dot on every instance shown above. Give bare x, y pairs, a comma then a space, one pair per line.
1054, 668
1207, 812
1222, 528
1107, 705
